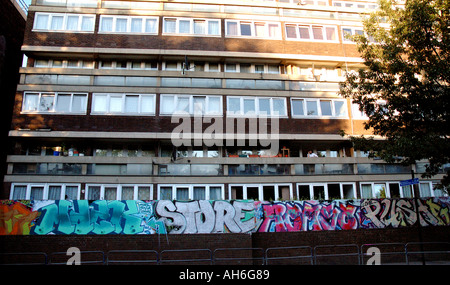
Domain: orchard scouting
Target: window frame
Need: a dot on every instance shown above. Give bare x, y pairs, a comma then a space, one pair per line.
207, 32
319, 108
245, 186
191, 190
326, 192
55, 100
64, 29
123, 112
311, 32
129, 20
253, 24
191, 104
46, 187
257, 105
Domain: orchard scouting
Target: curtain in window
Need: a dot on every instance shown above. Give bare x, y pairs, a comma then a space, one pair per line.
31, 102
199, 193
199, 27
317, 33
99, 103
87, 23
274, 31
165, 193
232, 29
214, 105
167, 104
147, 104
115, 104
170, 25
136, 25
94, 193
110, 193
79, 103
213, 28
407, 191
182, 104
63, 103
425, 190
150, 26
215, 193
366, 191
54, 192
57, 23
127, 193
182, 194
121, 25
331, 33
144, 193
20, 192
106, 24
279, 106
37, 193
71, 193
41, 22
185, 27
131, 104
72, 23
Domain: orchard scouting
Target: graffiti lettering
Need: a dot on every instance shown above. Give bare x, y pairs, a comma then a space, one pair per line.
101, 217
308, 216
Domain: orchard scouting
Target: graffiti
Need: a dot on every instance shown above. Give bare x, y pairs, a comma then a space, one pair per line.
16, 218
126, 217
82, 217
307, 216
394, 213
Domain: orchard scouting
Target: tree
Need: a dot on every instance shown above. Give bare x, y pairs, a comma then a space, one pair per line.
404, 87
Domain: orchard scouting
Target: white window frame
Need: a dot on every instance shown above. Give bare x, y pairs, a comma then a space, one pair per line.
55, 100
45, 189
123, 100
260, 187
191, 27
191, 104
257, 113
325, 185
353, 32
310, 32
64, 28
191, 190
252, 24
319, 109
387, 189
128, 28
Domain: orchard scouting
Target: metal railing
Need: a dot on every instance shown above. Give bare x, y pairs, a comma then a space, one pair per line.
430, 253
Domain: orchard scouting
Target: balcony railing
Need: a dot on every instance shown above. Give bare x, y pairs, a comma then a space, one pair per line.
203, 166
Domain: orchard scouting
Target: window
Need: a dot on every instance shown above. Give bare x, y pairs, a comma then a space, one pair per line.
267, 30
326, 191
347, 32
261, 192
311, 32
187, 26
122, 24
268, 106
319, 108
64, 22
119, 192
123, 104
210, 105
191, 192
45, 191
54, 103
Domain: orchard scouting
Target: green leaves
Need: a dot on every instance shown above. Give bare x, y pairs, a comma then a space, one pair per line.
405, 86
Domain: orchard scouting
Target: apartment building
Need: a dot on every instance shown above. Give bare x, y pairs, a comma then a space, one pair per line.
193, 100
